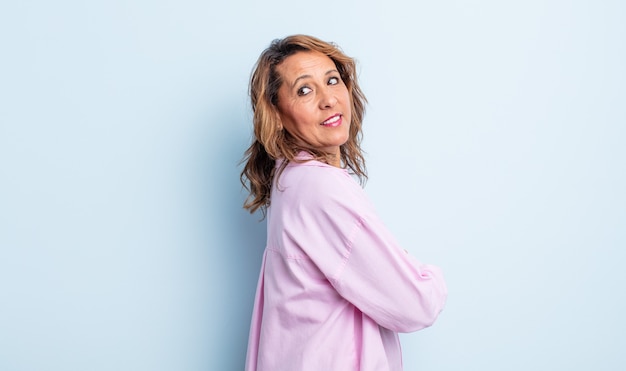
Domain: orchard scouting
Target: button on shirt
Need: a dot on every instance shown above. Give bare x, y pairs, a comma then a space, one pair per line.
335, 288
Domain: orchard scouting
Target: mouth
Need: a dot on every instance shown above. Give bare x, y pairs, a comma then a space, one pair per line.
332, 121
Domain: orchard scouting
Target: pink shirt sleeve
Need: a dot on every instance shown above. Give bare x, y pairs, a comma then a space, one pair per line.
389, 285
335, 224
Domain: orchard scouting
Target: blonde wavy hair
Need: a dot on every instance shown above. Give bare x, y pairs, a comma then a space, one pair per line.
271, 141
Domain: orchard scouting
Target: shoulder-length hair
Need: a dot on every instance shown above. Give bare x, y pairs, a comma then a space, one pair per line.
271, 141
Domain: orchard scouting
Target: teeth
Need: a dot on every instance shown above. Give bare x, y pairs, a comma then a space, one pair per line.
331, 120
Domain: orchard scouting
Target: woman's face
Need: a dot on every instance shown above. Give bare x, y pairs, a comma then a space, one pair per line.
313, 101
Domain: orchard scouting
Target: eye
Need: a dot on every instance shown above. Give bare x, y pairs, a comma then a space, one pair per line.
304, 90
333, 81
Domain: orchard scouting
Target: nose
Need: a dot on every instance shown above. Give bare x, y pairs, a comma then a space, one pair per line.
327, 99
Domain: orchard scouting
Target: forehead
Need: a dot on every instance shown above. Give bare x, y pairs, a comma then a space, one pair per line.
305, 63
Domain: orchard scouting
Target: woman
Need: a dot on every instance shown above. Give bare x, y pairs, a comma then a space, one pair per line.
335, 288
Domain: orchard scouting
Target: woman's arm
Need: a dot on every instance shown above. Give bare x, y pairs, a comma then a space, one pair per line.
389, 285
336, 226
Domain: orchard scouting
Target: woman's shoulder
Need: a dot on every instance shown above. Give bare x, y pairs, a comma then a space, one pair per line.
313, 173
315, 185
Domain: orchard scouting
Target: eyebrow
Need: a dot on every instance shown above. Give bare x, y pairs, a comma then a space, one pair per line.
309, 76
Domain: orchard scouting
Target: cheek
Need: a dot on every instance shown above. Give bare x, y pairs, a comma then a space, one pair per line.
300, 115
349, 105
286, 113
347, 98
292, 120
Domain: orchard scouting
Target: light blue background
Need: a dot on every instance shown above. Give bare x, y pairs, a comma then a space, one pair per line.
495, 139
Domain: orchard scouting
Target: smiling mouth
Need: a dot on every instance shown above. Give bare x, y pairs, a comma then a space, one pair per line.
332, 121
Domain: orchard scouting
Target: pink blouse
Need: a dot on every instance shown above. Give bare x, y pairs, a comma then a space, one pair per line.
335, 288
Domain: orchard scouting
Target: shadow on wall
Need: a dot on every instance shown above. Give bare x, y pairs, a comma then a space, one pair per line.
237, 240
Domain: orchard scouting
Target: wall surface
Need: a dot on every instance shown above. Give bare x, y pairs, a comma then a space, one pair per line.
495, 145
